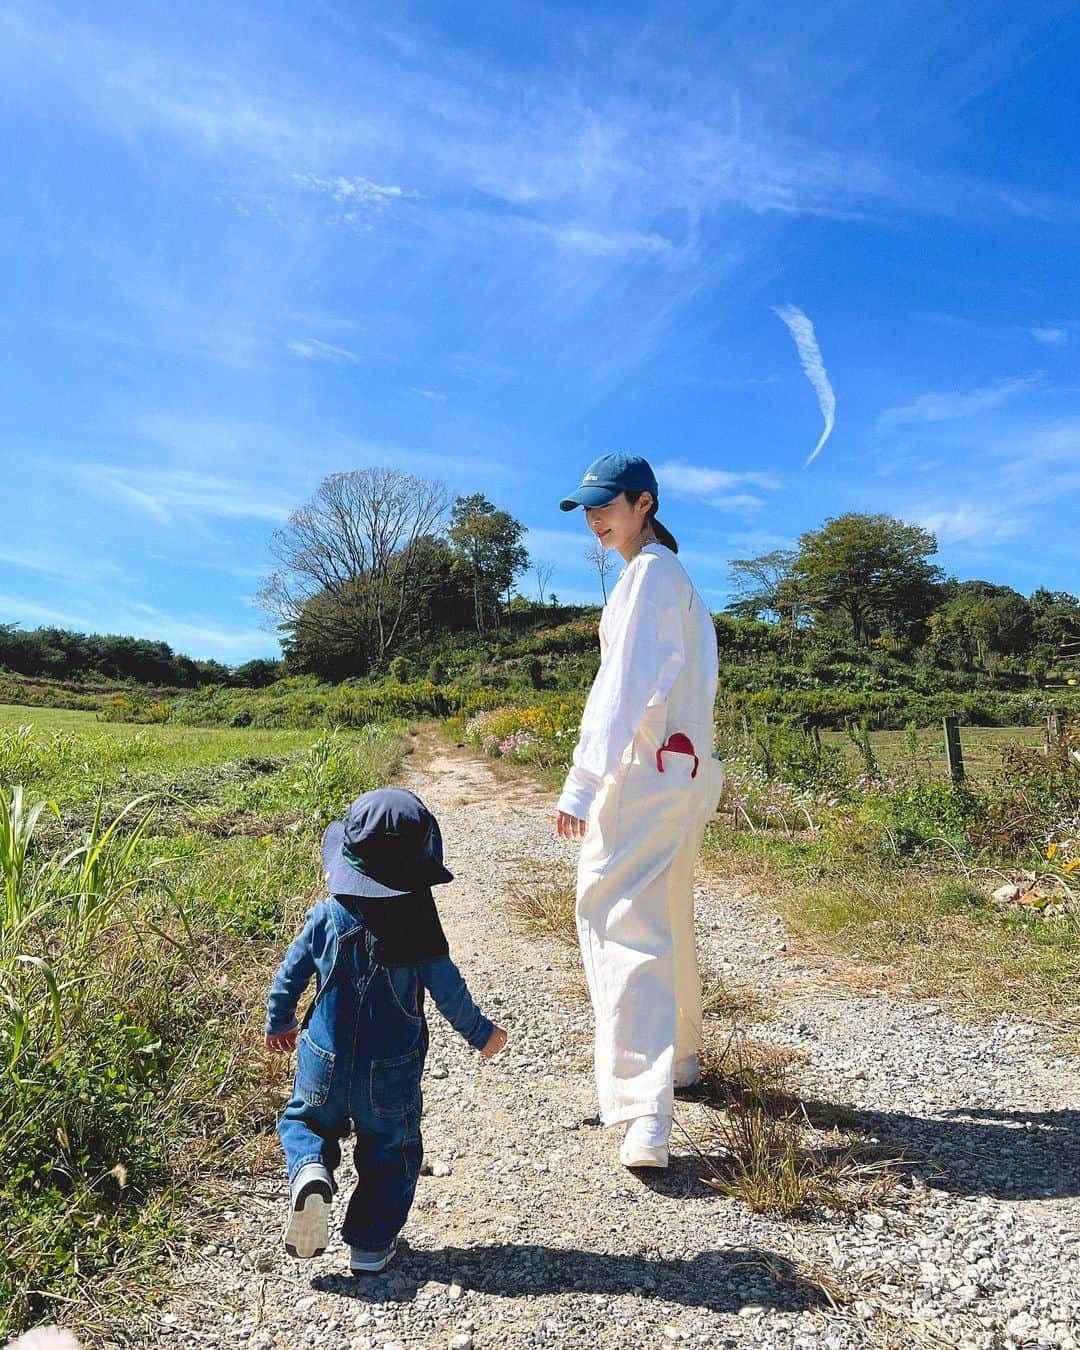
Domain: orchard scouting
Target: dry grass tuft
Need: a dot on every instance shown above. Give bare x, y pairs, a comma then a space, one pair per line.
777, 1153
543, 903
718, 1000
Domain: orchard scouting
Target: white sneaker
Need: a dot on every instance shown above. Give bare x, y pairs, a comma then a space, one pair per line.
687, 1072
645, 1143
363, 1262
308, 1230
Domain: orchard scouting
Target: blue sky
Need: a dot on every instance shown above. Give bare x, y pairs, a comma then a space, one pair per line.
245, 246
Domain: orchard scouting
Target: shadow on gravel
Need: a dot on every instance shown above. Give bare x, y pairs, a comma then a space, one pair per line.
1004, 1154
1009, 1155
720, 1281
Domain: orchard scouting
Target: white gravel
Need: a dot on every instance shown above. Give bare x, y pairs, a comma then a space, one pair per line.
526, 1232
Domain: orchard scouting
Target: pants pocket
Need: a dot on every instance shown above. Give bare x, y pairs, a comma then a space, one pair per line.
314, 1071
395, 1084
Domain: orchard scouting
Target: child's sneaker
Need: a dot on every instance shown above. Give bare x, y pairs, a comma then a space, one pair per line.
362, 1262
308, 1230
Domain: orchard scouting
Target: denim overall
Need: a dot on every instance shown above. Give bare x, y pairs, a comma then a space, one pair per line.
359, 1060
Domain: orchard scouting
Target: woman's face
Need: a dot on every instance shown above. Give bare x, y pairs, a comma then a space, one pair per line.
619, 524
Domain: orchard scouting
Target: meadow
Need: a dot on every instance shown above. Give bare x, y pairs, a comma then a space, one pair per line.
150, 877
152, 873
968, 892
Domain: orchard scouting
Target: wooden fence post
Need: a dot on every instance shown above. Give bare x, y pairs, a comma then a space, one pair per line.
954, 752
1053, 729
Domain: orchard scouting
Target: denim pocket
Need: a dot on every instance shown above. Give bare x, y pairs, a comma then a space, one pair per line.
314, 1071
395, 1085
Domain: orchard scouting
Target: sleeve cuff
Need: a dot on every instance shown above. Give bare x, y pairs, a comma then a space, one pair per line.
482, 1034
577, 795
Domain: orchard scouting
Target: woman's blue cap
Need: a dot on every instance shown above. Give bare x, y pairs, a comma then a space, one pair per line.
606, 477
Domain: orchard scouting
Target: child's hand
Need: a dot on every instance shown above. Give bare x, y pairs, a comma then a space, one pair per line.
496, 1041
282, 1042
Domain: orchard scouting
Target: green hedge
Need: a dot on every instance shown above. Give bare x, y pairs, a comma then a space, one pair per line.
301, 703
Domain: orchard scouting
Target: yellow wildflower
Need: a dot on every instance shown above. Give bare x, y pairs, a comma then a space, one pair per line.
1052, 851
1072, 865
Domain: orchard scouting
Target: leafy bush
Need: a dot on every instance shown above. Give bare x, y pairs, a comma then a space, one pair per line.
304, 703
543, 735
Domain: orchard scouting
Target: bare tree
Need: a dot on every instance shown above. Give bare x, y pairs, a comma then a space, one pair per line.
601, 559
543, 573
350, 548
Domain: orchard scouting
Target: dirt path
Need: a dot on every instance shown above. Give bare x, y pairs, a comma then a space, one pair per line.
528, 1233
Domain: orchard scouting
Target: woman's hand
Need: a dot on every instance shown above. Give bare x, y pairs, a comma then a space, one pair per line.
495, 1043
569, 827
282, 1042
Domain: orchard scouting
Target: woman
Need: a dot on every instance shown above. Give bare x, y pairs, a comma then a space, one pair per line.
642, 786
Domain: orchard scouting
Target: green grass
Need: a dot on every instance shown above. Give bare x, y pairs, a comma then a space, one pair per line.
982, 748
931, 925
132, 974
73, 755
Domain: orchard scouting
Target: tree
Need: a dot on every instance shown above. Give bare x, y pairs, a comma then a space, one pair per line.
544, 573
769, 585
602, 561
349, 548
489, 542
257, 674
871, 569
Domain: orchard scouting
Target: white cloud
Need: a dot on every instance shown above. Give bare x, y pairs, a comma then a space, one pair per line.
971, 522
166, 493
559, 546
352, 191
312, 349
802, 331
191, 635
696, 481
952, 407
1050, 337
53, 564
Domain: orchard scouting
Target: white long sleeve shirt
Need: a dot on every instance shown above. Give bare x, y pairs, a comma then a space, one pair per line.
641, 653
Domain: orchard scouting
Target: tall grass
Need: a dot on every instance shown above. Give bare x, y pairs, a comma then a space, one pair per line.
130, 998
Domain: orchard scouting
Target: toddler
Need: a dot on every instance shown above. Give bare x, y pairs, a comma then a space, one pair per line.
374, 945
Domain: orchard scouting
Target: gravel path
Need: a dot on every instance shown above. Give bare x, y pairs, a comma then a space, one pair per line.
526, 1232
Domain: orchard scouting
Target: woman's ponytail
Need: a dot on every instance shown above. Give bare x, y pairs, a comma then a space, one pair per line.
663, 534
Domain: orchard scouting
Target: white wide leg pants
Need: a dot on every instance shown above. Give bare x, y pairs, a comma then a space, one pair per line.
635, 917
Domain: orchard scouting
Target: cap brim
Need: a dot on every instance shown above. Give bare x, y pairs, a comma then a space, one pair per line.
341, 879
590, 495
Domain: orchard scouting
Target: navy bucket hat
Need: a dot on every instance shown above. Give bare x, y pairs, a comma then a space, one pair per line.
609, 475
388, 844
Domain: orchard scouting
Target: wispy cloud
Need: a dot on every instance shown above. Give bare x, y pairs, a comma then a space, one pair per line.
52, 564
190, 634
951, 407
361, 200
720, 488
971, 522
558, 546
802, 331
356, 189
312, 349
1050, 337
165, 494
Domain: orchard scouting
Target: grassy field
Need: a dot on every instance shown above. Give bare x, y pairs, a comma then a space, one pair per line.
149, 878
925, 751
